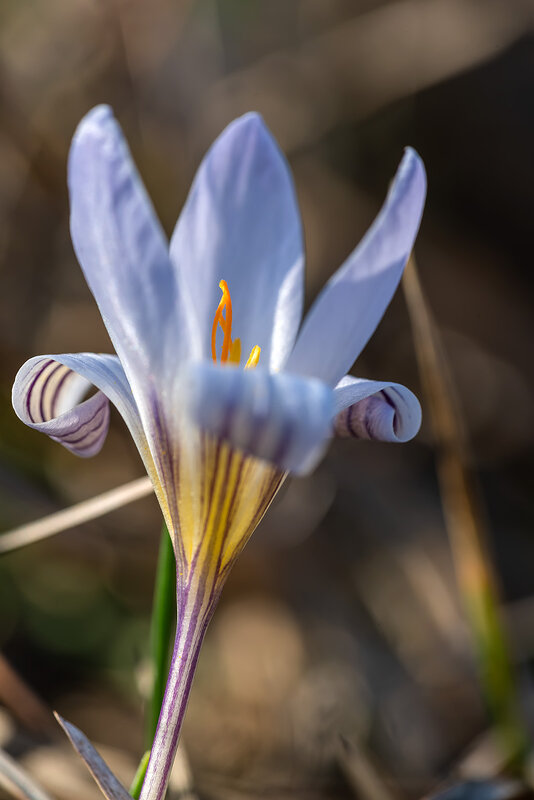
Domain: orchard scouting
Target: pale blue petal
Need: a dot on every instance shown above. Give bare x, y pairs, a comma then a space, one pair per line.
388, 412
280, 418
124, 255
48, 396
352, 303
241, 223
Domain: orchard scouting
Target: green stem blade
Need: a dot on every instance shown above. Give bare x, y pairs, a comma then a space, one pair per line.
137, 783
162, 628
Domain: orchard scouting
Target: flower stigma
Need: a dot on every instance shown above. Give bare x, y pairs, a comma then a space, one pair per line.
231, 349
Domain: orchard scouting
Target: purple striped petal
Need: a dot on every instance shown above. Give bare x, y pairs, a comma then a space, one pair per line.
388, 412
49, 391
241, 223
349, 308
280, 418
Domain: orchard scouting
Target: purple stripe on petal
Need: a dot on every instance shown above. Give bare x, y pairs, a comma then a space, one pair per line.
279, 418
91, 417
375, 410
49, 391
52, 372
269, 488
29, 392
96, 424
58, 391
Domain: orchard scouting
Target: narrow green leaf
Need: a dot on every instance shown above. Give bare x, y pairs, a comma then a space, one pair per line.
137, 783
162, 629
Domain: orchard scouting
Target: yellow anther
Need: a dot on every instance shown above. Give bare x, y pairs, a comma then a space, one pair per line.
253, 358
231, 350
235, 351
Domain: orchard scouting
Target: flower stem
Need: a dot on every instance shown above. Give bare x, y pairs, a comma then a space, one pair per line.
194, 614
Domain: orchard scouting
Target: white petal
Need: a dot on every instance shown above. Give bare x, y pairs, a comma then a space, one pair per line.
241, 223
280, 418
349, 308
124, 255
388, 412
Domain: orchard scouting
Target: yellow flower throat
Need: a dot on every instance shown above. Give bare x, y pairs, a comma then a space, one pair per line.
231, 349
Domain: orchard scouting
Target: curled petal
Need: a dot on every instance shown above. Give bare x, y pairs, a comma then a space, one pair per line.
388, 412
47, 399
48, 396
353, 301
280, 418
241, 222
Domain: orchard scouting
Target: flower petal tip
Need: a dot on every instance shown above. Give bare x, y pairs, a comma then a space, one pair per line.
250, 121
97, 117
98, 138
95, 124
349, 308
251, 129
412, 171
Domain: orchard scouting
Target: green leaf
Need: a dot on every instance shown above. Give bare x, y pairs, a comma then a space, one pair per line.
137, 783
162, 629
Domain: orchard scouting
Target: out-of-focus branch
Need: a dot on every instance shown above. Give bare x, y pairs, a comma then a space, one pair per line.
43, 159
17, 782
75, 515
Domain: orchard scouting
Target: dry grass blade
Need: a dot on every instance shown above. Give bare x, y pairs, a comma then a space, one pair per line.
465, 521
75, 515
17, 783
109, 785
462, 510
44, 159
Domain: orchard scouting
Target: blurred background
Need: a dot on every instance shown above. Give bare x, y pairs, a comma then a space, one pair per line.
339, 653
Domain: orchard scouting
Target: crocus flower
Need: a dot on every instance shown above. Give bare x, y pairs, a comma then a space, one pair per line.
223, 390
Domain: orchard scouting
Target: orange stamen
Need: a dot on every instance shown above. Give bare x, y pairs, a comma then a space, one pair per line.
225, 322
231, 350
